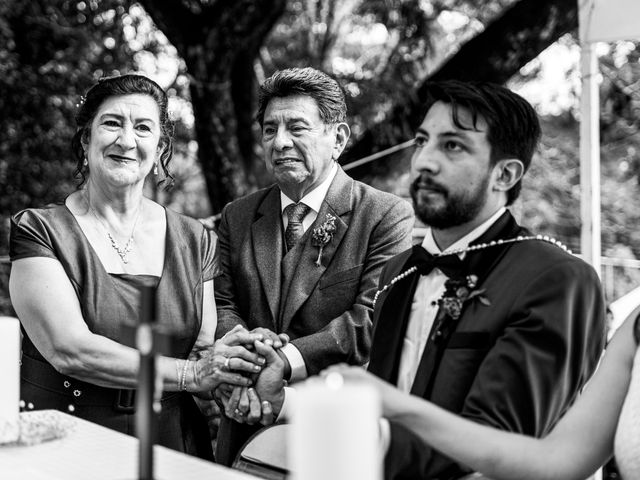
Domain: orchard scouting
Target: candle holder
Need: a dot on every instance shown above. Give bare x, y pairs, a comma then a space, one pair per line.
150, 341
145, 424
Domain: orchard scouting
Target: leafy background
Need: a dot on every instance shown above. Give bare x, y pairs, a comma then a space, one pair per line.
211, 56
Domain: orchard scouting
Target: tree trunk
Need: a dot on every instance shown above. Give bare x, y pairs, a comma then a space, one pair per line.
506, 45
219, 43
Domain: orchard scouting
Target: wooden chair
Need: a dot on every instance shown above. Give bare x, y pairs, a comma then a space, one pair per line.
265, 453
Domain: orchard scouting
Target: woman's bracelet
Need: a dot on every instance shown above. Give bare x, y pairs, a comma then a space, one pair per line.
196, 379
183, 379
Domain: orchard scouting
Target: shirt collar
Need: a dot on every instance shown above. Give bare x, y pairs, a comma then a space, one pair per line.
429, 244
316, 196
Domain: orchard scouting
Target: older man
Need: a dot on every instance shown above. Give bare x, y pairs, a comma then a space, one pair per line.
303, 256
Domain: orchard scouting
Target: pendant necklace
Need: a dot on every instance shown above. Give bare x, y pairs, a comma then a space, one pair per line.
459, 251
123, 252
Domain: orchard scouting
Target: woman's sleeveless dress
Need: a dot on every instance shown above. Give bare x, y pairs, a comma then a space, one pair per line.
110, 301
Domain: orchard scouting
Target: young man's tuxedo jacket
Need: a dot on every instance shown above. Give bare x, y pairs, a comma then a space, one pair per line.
516, 364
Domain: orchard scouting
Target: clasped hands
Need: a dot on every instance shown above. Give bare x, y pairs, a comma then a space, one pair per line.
248, 380
252, 389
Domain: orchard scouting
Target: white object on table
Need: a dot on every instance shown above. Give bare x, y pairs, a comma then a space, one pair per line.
9, 379
96, 452
335, 432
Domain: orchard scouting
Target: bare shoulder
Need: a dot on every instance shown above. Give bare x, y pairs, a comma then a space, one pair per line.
623, 346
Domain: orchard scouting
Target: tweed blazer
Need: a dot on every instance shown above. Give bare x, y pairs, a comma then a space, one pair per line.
326, 310
516, 364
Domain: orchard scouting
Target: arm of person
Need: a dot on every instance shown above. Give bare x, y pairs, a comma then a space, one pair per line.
48, 308
206, 348
207, 333
246, 405
574, 449
347, 338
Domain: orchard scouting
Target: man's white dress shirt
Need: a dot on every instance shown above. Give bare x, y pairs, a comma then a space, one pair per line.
424, 306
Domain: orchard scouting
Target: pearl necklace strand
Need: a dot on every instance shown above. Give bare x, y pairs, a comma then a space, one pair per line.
472, 248
123, 253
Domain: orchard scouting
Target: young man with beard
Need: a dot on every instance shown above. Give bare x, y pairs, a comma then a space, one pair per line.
484, 319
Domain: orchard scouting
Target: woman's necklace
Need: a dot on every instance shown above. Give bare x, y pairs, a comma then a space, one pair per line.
472, 248
123, 252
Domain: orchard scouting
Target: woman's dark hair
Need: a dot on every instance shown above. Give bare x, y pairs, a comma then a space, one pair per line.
108, 87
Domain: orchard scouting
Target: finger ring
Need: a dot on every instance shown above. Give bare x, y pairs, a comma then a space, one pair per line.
226, 363
238, 412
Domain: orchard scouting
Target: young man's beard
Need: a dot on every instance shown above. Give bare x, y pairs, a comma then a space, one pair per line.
458, 209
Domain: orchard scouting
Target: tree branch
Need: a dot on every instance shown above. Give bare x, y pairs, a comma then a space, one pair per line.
179, 24
496, 54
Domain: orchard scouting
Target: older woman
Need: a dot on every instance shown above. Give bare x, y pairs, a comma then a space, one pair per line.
77, 269
604, 420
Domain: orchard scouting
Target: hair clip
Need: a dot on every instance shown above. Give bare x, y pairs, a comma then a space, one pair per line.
81, 102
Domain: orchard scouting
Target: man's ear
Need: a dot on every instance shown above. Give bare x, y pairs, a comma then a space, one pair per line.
342, 136
507, 173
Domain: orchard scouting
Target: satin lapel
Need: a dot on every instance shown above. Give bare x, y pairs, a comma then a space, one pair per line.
478, 263
266, 235
392, 317
481, 263
439, 336
300, 273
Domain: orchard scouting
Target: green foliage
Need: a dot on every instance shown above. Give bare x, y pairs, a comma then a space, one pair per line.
51, 51
380, 50
50, 58
550, 199
553, 201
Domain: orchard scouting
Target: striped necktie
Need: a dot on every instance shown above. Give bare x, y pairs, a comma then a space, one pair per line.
295, 213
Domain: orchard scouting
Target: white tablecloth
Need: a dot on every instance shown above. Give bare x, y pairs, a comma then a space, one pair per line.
90, 451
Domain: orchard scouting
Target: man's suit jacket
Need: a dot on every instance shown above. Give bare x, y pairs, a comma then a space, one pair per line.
516, 364
326, 310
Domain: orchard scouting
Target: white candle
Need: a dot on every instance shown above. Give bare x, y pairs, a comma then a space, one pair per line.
335, 432
9, 379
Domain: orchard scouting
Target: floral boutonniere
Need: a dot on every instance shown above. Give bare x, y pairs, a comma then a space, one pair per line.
323, 235
459, 291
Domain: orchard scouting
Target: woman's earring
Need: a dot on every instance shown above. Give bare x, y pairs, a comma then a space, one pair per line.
86, 160
155, 168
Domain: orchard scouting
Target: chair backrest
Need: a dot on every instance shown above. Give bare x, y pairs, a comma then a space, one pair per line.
265, 453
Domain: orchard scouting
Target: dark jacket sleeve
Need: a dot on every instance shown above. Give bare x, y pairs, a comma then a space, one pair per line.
228, 313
